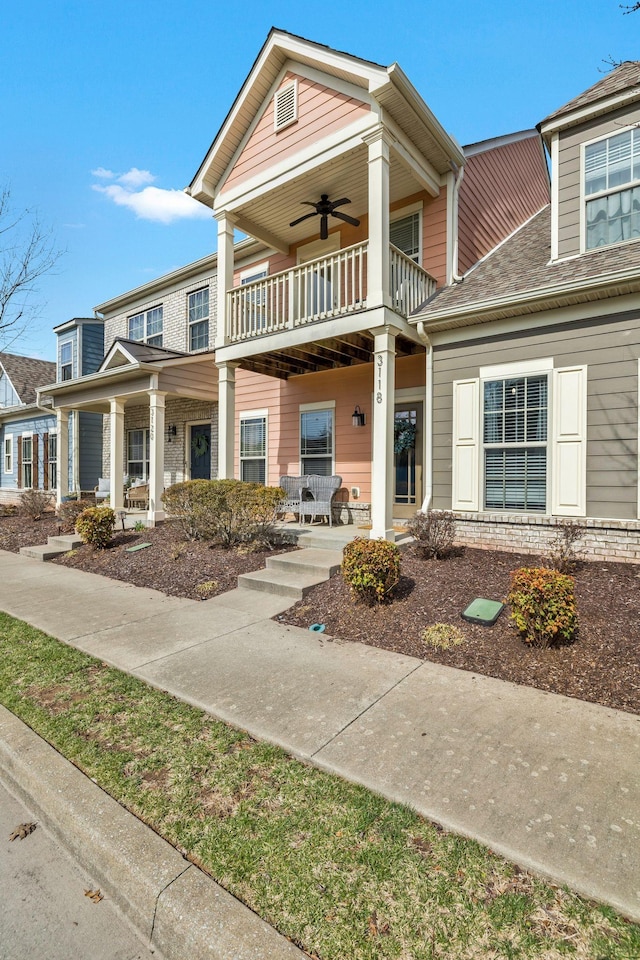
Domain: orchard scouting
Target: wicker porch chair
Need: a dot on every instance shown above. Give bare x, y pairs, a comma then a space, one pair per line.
321, 492
138, 495
293, 487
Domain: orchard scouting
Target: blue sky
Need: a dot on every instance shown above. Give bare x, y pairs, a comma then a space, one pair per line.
107, 109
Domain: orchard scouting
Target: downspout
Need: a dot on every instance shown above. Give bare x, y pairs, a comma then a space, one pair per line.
458, 174
428, 420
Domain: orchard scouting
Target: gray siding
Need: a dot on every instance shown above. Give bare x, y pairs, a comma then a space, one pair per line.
8, 396
610, 347
90, 449
69, 336
38, 425
569, 172
92, 347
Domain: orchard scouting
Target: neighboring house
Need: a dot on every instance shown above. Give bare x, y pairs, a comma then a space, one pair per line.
511, 393
27, 428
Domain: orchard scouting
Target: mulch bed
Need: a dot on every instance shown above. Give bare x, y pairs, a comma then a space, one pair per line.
194, 570
602, 666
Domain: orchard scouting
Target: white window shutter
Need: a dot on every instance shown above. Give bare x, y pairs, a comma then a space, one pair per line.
569, 442
466, 430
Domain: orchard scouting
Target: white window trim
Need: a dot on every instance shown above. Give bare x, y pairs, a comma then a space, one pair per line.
408, 211
256, 271
8, 438
64, 343
192, 323
250, 415
27, 436
52, 432
293, 83
145, 313
503, 371
146, 443
308, 408
603, 193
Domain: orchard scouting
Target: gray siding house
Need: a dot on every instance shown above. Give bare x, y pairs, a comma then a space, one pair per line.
27, 428
535, 351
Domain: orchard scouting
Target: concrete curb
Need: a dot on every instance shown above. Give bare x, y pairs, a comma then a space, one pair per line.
175, 908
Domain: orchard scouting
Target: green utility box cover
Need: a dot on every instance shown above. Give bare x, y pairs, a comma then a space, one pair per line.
138, 546
483, 611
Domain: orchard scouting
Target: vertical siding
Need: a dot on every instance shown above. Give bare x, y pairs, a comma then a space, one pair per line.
92, 347
321, 110
501, 188
569, 186
610, 348
347, 386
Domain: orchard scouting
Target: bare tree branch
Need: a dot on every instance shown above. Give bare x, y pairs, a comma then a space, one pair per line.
27, 253
629, 7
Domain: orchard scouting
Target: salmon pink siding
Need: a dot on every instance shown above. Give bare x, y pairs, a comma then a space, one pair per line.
434, 236
321, 111
347, 386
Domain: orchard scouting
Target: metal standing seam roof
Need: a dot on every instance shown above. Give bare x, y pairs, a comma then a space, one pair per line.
521, 267
27, 374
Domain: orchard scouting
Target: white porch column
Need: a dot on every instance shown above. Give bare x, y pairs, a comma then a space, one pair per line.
156, 455
378, 286
226, 419
225, 273
62, 485
116, 460
384, 388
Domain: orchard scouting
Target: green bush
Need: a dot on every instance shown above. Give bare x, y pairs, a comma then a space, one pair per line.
442, 636
227, 512
95, 526
33, 503
543, 606
371, 568
434, 533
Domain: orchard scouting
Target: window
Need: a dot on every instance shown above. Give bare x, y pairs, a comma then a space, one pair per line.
27, 462
147, 327
52, 461
66, 360
316, 442
138, 454
198, 318
285, 105
8, 453
405, 235
612, 189
253, 448
515, 443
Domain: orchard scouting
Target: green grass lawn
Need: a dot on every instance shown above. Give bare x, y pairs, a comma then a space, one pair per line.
343, 873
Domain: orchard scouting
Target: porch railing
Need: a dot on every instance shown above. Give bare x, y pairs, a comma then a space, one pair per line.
318, 290
410, 284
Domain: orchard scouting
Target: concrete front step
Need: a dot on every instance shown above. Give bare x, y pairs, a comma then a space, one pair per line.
54, 547
321, 562
283, 583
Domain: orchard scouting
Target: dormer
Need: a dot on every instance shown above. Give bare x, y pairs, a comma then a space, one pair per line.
80, 347
594, 141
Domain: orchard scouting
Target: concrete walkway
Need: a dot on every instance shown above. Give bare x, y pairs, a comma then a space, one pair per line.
550, 782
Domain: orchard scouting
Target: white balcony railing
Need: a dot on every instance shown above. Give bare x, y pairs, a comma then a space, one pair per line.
318, 290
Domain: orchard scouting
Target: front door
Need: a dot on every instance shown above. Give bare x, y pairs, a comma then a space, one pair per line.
200, 451
407, 443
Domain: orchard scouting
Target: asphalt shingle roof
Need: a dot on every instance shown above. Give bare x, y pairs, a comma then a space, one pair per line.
520, 267
27, 373
621, 78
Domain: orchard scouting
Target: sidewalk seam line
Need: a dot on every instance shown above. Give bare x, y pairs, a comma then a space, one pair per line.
366, 710
157, 901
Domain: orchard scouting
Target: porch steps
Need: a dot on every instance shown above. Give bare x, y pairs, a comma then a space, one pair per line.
54, 547
293, 574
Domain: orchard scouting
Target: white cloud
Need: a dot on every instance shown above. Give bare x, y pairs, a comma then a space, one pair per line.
148, 203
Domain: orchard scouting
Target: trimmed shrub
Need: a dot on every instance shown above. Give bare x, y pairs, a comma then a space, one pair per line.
227, 512
33, 503
543, 606
69, 511
371, 568
563, 552
434, 533
95, 526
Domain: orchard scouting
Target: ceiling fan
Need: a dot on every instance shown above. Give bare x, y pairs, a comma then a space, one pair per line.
326, 208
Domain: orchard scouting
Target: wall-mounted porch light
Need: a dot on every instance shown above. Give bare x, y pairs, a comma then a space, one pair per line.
171, 432
357, 417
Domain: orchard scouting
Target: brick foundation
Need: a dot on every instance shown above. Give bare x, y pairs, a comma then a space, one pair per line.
617, 540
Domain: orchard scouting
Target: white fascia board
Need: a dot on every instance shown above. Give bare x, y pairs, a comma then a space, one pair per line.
536, 320
590, 110
481, 146
426, 175
319, 153
115, 374
447, 143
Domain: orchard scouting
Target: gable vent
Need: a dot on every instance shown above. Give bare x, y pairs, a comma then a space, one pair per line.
286, 105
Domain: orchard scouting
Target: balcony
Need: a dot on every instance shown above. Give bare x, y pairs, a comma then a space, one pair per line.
320, 290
